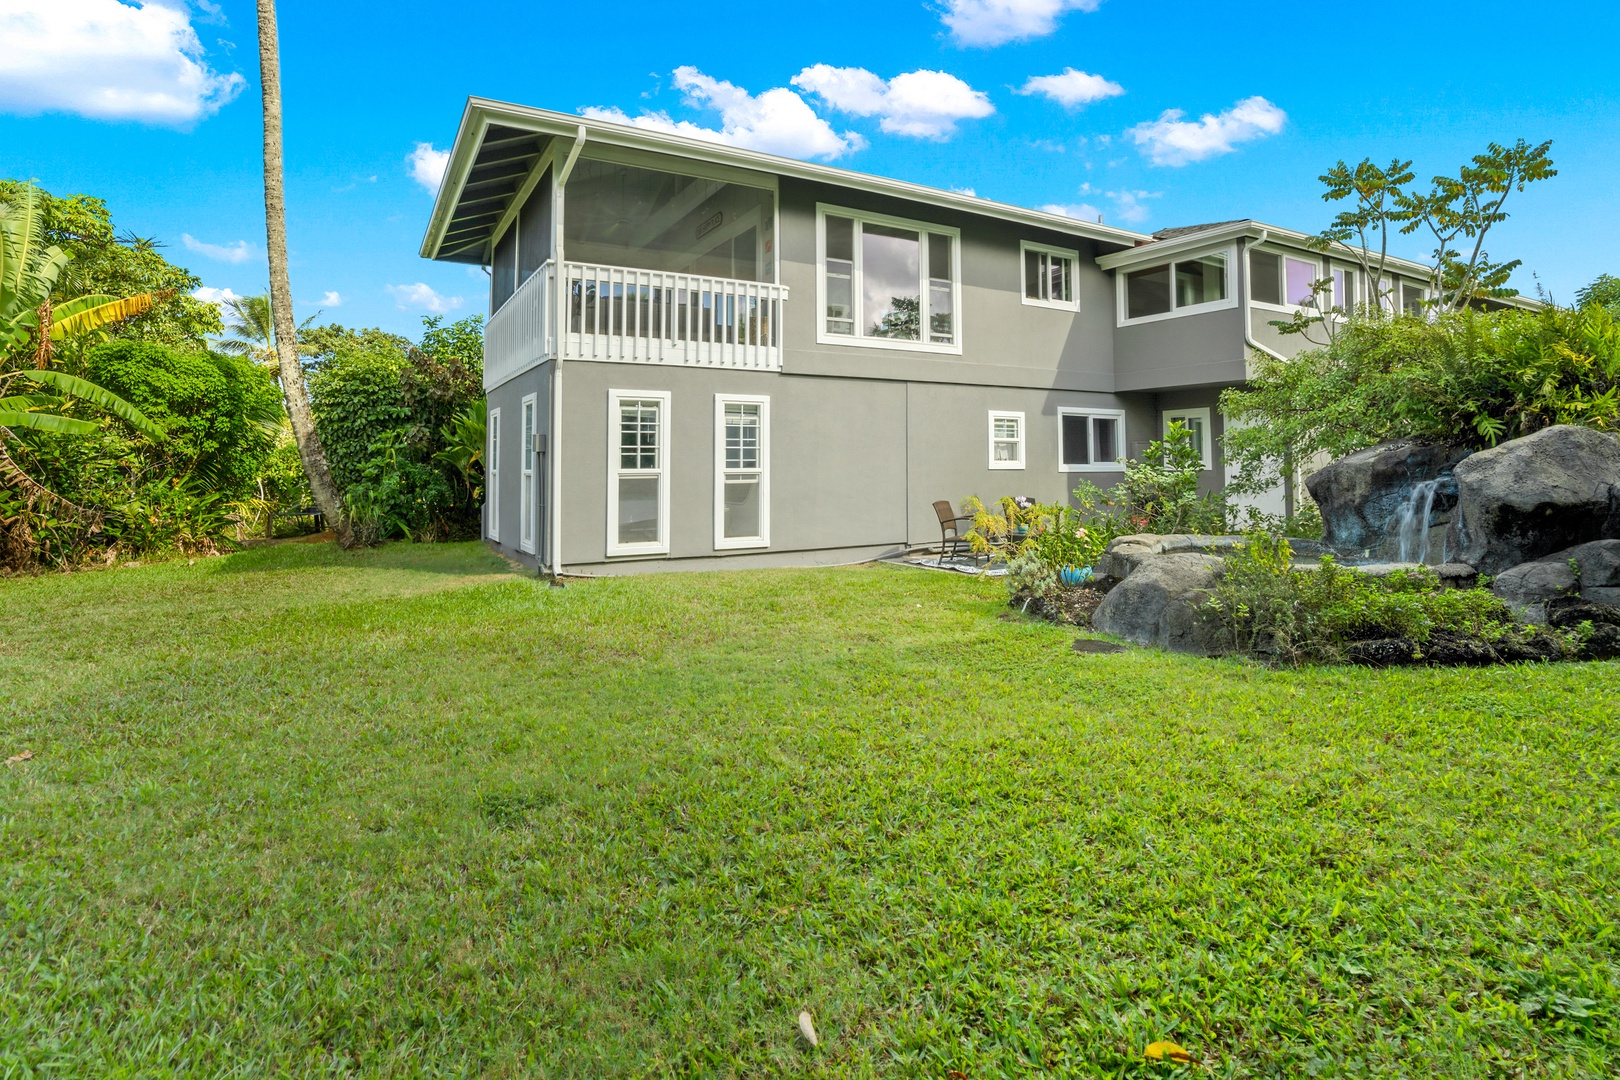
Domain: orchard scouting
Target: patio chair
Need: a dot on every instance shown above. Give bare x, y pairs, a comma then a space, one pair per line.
953, 530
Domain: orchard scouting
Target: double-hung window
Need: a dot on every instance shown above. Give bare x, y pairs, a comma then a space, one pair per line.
526, 471
638, 472
1006, 440
1049, 277
492, 478
742, 471
1196, 421
888, 282
1344, 289
1182, 287
1089, 440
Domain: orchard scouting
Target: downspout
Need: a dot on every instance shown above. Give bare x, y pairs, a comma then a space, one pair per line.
1248, 339
554, 289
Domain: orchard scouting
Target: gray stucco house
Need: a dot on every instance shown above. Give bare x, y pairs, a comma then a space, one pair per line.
699, 355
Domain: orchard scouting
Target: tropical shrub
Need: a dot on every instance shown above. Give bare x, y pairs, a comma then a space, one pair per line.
1472, 378
1269, 606
221, 414
1159, 493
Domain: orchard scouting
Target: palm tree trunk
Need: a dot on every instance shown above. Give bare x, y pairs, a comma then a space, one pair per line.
281, 309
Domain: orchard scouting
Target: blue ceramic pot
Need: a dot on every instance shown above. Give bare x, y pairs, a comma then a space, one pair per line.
1072, 576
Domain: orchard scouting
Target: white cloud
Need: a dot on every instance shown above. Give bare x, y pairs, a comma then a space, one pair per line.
996, 22
1072, 88
1170, 140
1078, 211
331, 299
923, 104
426, 165
217, 297
239, 252
969, 192
776, 122
108, 61
422, 296
1127, 206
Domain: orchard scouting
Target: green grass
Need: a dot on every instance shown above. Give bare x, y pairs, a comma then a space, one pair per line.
302, 812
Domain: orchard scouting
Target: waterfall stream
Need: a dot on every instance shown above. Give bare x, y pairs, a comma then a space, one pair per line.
1412, 523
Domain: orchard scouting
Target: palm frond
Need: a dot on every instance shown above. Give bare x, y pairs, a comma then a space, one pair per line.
64, 383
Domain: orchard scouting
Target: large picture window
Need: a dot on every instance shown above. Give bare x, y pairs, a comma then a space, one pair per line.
888, 282
638, 473
1090, 440
742, 471
1182, 287
1049, 277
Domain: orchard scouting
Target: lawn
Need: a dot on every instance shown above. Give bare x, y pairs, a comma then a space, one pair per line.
403, 812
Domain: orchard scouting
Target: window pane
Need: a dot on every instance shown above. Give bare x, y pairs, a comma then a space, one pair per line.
1344, 289
1075, 450
840, 297
1004, 433
1200, 281
1105, 440
941, 319
1194, 426
891, 270
638, 509
840, 238
1032, 275
742, 436
1265, 277
1061, 274
1147, 292
1300, 276
1412, 298
742, 507
939, 257
638, 435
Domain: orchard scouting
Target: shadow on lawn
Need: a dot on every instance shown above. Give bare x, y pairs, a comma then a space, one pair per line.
460, 559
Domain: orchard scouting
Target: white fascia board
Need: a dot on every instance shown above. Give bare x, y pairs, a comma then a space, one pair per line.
481, 112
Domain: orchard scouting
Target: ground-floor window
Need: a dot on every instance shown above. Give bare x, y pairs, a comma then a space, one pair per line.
526, 471
1197, 422
638, 474
492, 477
1090, 440
1006, 440
742, 471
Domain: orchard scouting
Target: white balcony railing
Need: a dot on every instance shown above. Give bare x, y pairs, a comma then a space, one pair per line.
632, 316
517, 337
623, 315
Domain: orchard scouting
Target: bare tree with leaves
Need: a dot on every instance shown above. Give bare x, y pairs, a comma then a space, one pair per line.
293, 389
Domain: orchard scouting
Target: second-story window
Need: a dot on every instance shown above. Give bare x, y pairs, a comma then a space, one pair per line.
1049, 277
1193, 283
887, 281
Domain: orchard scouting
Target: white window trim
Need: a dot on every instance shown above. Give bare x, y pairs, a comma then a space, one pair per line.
492, 476
661, 545
721, 541
1023, 439
526, 521
1117, 415
1285, 254
1024, 249
1209, 429
1121, 295
861, 217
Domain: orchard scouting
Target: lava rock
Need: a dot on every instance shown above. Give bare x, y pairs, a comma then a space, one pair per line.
1530, 497
1538, 647
1567, 611
1589, 571
1361, 495
1604, 644
1383, 652
1157, 604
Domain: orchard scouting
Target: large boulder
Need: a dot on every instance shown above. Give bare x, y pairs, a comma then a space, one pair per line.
1125, 553
1588, 572
1364, 496
1158, 604
1530, 497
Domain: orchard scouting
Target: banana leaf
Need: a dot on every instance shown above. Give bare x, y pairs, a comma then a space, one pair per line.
88, 391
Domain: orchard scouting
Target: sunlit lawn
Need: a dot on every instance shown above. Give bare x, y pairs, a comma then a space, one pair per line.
300, 812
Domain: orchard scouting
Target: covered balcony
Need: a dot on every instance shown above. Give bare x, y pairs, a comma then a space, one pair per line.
660, 268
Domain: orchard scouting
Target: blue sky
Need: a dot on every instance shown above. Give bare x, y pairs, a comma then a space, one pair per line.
156, 110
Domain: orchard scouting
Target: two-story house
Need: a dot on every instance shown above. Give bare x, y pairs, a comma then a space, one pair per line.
700, 355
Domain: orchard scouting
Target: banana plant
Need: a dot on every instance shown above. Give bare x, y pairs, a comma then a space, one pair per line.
25, 411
